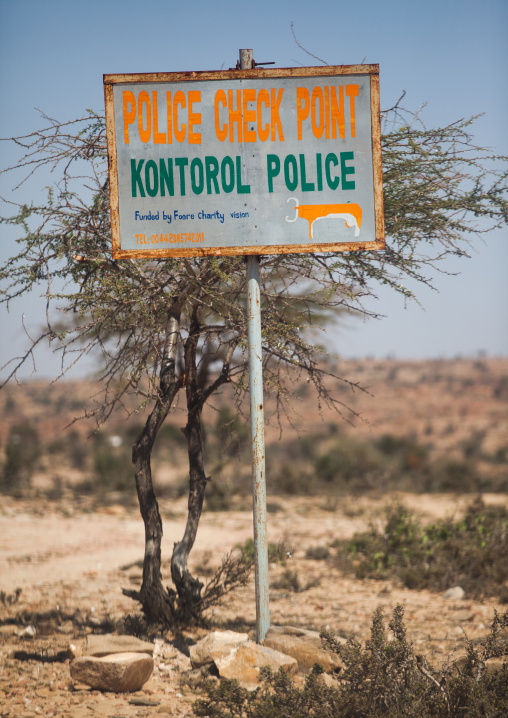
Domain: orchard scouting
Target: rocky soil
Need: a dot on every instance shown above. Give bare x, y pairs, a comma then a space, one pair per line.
71, 567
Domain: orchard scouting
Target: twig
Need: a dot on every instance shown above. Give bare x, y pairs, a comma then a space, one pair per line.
421, 665
302, 47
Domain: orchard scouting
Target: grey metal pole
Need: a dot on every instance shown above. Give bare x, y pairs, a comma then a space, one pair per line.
257, 448
257, 430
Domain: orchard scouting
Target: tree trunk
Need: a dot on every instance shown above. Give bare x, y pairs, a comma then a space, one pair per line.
189, 588
157, 603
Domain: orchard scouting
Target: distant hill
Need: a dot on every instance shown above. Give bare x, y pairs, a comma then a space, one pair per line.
447, 410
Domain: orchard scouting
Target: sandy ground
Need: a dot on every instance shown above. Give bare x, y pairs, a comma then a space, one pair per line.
71, 564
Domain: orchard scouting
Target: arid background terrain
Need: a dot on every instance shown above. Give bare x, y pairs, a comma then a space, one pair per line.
431, 435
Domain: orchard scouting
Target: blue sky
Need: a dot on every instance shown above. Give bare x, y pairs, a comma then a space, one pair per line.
451, 54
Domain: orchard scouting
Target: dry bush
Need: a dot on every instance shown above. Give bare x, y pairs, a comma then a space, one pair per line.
382, 679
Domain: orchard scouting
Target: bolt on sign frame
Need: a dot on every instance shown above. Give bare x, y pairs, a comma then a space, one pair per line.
245, 161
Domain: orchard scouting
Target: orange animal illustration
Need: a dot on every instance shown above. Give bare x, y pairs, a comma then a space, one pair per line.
351, 213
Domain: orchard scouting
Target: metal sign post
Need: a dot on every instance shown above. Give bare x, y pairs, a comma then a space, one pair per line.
257, 430
257, 448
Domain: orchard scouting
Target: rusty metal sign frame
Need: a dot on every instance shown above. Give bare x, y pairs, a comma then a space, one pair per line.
111, 80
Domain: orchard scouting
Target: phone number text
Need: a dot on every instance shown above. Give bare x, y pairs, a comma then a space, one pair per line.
170, 238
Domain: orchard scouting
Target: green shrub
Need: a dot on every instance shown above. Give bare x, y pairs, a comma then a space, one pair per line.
278, 553
349, 464
8, 599
335, 464
452, 476
291, 480
78, 450
472, 552
317, 553
22, 453
472, 447
112, 466
290, 581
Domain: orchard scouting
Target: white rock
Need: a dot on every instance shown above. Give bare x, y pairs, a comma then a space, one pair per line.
304, 646
456, 593
108, 644
243, 662
74, 651
326, 680
28, 632
118, 673
200, 653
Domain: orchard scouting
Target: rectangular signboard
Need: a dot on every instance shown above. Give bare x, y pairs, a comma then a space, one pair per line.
262, 161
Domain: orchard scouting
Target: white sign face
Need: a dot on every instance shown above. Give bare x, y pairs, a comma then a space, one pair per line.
245, 162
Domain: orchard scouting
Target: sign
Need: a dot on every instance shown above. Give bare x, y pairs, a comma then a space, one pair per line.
262, 161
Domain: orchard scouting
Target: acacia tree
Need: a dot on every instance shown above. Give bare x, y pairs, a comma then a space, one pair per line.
162, 327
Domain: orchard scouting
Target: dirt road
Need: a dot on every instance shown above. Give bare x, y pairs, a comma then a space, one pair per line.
70, 568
